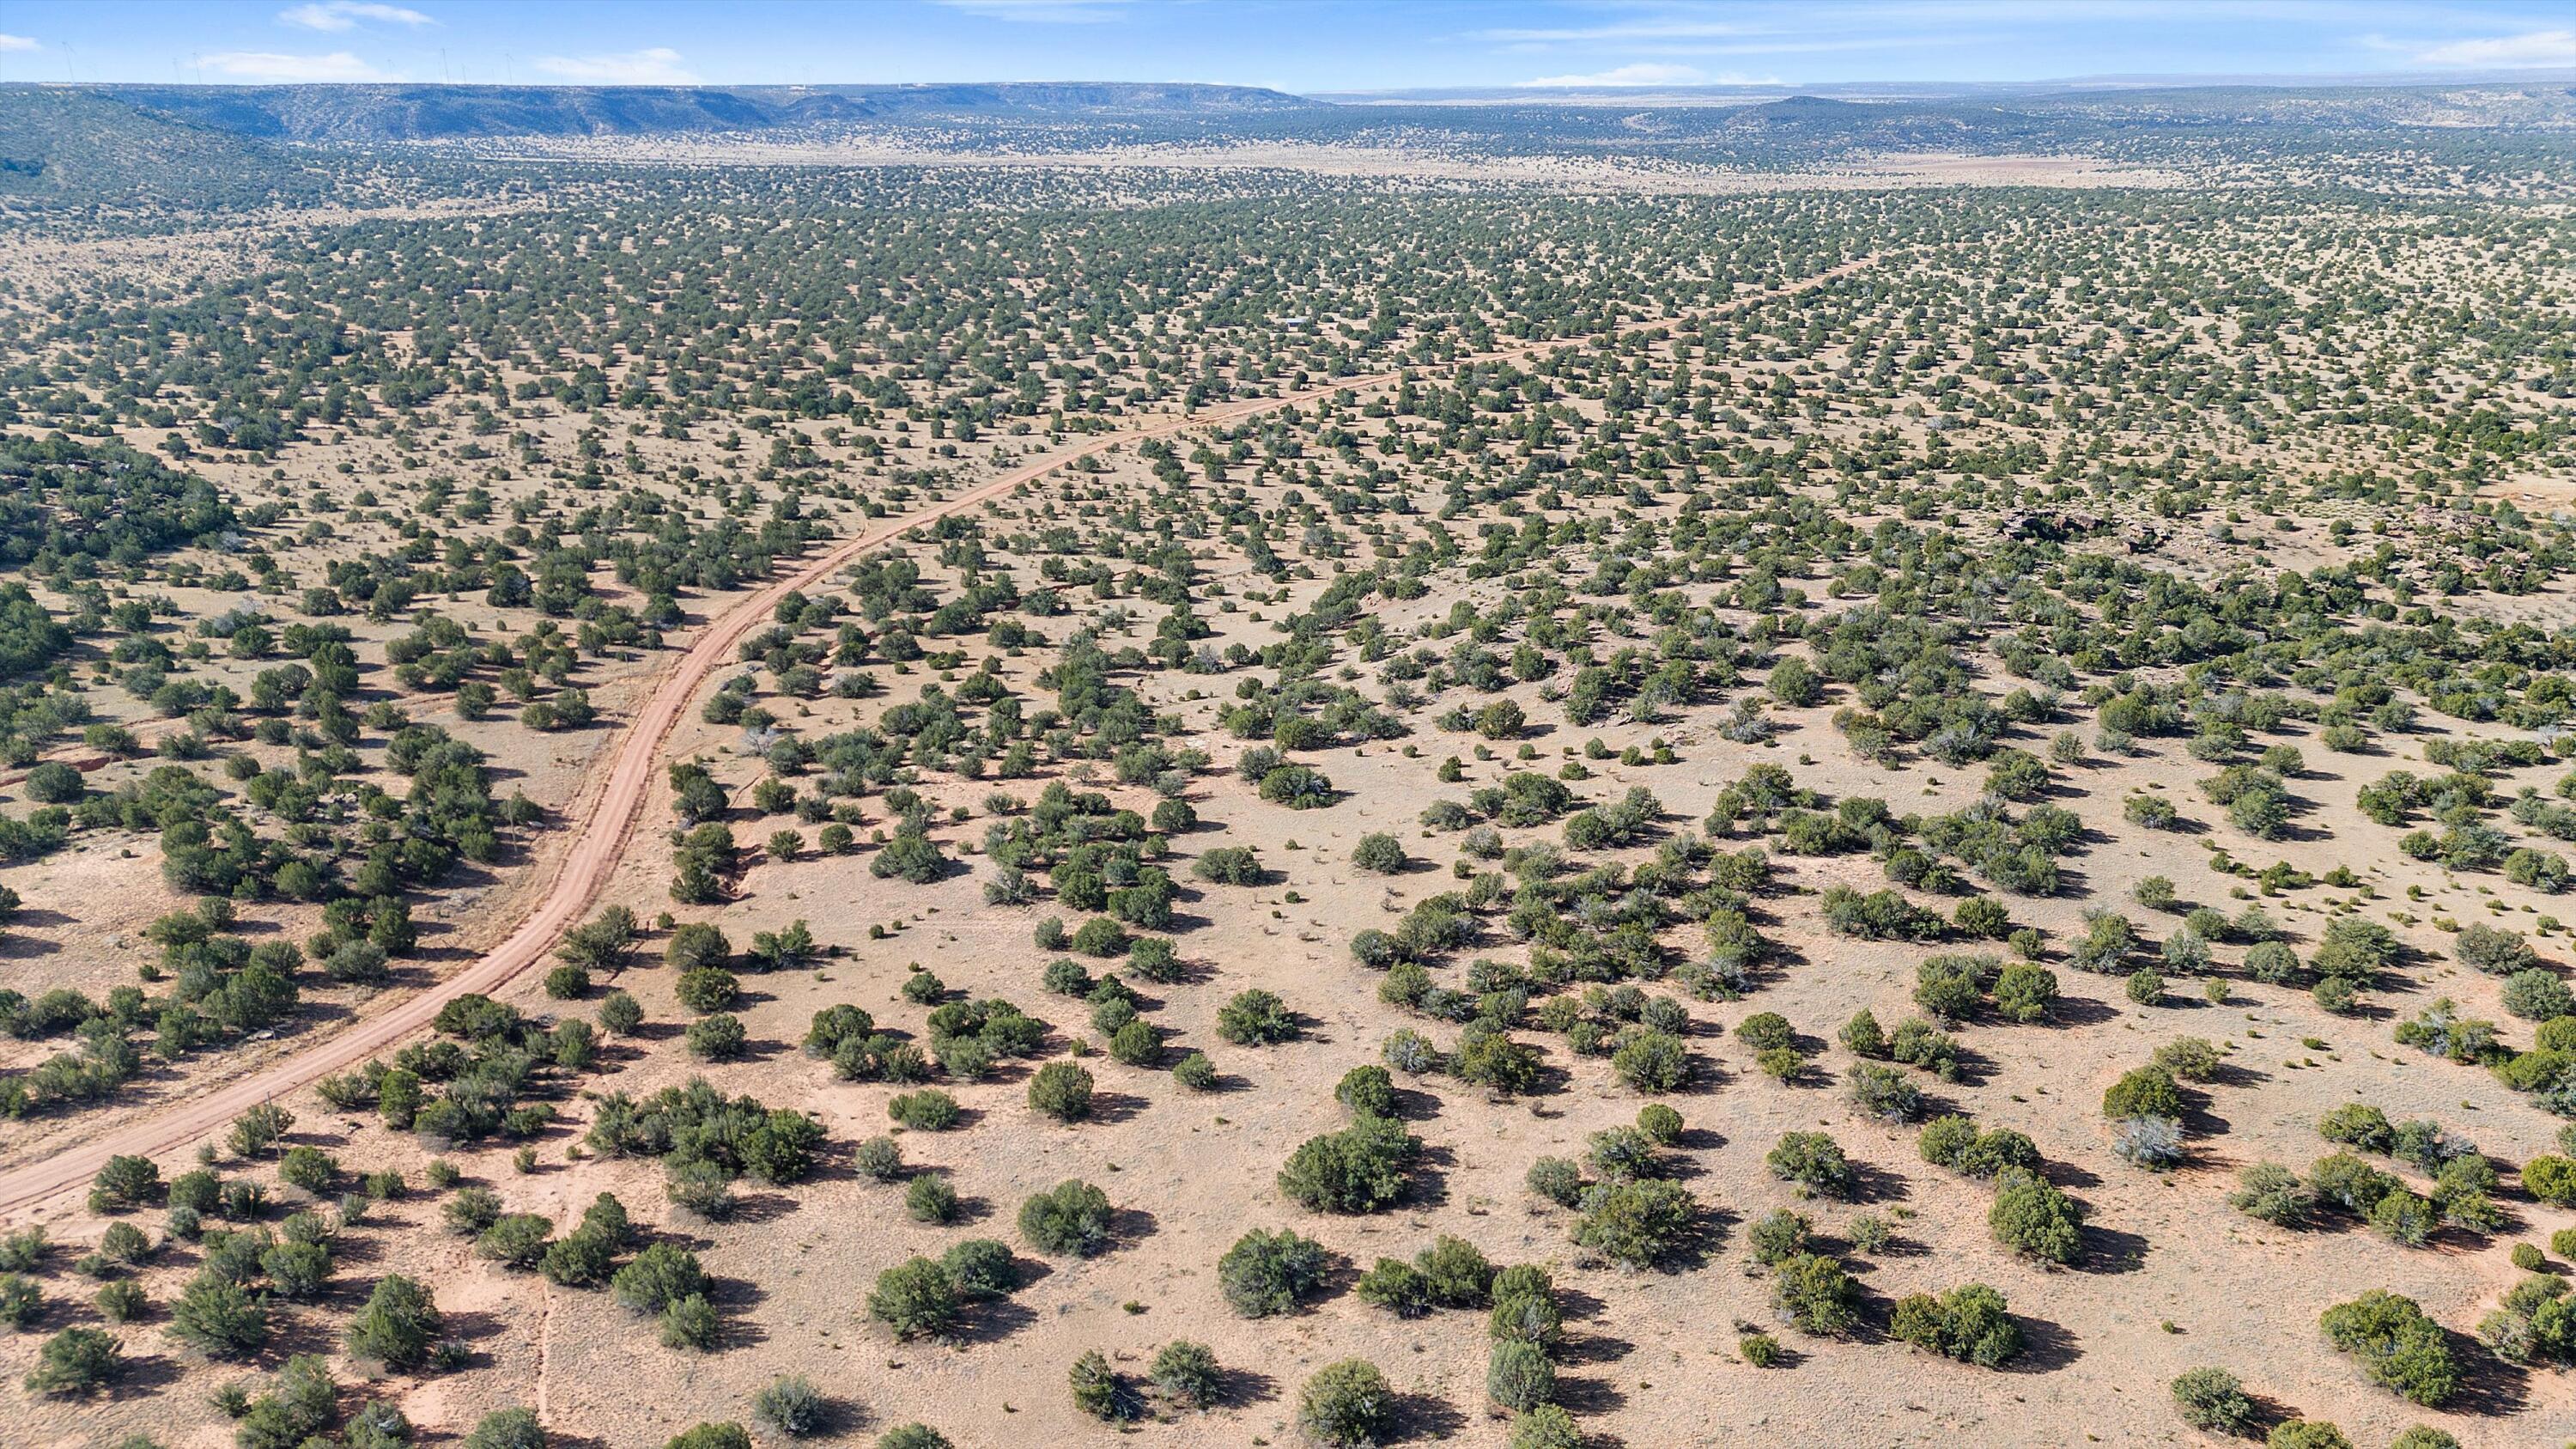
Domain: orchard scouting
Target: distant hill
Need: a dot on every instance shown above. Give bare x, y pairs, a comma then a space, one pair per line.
1069, 98
60, 144
1890, 124
1809, 112
370, 113
254, 145
362, 113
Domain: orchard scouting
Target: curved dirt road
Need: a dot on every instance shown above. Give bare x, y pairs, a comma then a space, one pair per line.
605, 823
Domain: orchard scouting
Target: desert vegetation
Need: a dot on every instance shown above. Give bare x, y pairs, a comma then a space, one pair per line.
1349, 808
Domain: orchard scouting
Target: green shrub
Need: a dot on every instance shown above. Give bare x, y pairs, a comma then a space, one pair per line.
216, 1317
927, 1110
2033, 1218
1061, 1090
1346, 1405
1518, 1376
1186, 1373
516, 1240
2144, 1092
1379, 854
2490, 949
1100, 937
399, 1325
2212, 1399
915, 1299
1136, 1044
1489, 1059
1970, 1323
1360, 1169
2025, 993
1525, 1308
2397, 1346
792, 1406
690, 1323
2272, 963
1366, 1092
1266, 1273
1396, 1286
708, 989
2551, 1179
301, 1403
1098, 1391
1228, 865
507, 1429
981, 1268
121, 1300
1636, 1224
1648, 1060
718, 1038
1777, 1236
1557, 1179
1256, 1018
620, 1014
658, 1277
928, 1198
2272, 1193
727, 1435
1813, 1292
2349, 1183
1455, 1273
76, 1362
2537, 995
126, 1182
1815, 1162
1073, 1217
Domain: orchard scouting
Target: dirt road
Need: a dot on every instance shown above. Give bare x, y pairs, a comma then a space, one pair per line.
603, 826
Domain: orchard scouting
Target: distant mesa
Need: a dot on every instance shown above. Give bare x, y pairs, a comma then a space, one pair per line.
360, 113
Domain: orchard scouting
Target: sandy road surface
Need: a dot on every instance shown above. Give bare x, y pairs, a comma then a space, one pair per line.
604, 825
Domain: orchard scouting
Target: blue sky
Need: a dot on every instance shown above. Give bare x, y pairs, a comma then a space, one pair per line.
1298, 45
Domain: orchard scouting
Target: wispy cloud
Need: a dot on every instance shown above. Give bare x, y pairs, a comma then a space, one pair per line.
345, 15
264, 65
18, 42
1680, 33
1043, 12
1649, 73
1659, 28
2505, 52
659, 66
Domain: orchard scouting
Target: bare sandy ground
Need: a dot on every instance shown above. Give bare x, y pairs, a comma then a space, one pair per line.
1892, 170
43, 262
605, 821
2177, 1280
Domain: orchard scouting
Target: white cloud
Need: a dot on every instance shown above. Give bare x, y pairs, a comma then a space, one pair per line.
2507, 52
1040, 12
263, 65
345, 14
18, 42
659, 66
1656, 29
